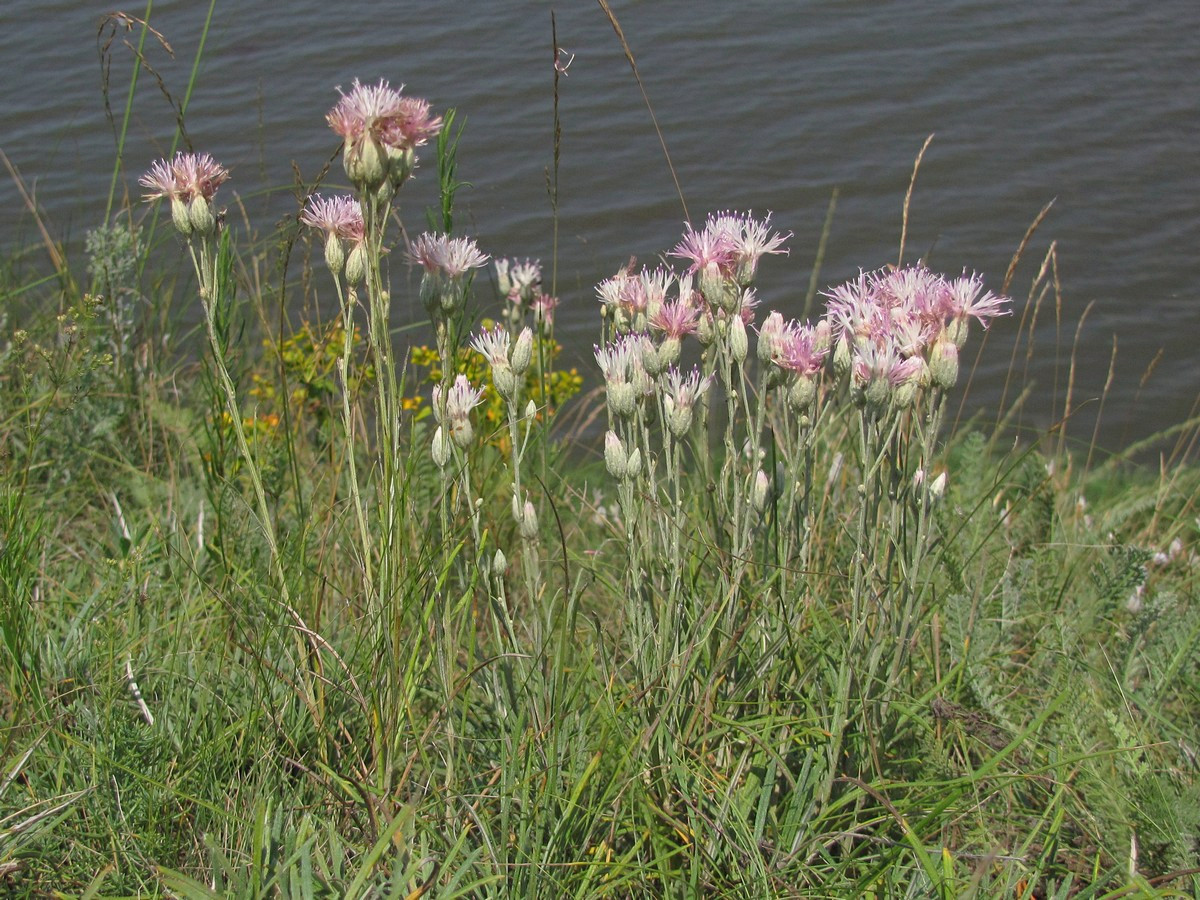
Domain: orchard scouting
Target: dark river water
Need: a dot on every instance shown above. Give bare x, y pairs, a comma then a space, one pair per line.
1093, 104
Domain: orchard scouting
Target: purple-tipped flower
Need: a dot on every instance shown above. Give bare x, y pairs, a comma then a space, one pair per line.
798, 351
495, 347
460, 399
380, 128
446, 262
451, 257
189, 181
681, 393
676, 319
341, 219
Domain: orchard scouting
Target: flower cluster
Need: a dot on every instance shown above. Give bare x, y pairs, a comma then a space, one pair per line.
902, 328
381, 128
724, 255
520, 283
189, 181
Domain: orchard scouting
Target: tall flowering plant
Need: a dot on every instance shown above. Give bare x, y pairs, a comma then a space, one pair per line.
881, 360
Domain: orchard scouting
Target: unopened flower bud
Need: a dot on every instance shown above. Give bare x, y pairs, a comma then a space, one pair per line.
842, 359
441, 448
943, 362
635, 464
505, 380
462, 432
200, 214
615, 457
180, 217
758, 494
957, 331
876, 394
652, 360
621, 398
802, 392
522, 352
531, 410
905, 394
770, 337
528, 525
739, 345
356, 264
365, 162
668, 352
937, 487
679, 417
335, 254
499, 564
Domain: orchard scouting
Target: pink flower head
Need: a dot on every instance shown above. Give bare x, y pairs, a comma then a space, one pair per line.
752, 239
685, 390
493, 346
381, 112
619, 359
676, 318
339, 216
185, 177
380, 128
412, 126
798, 350
461, 398
964, 300
712, 252
451, 257
655, 283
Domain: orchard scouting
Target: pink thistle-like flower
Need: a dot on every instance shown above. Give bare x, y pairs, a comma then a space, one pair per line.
680, 395
493, 346
461, 398
451, 257
712, 251
655, 283
608, 292
366, 110
618, 359
411, 126
185, 177
798, 350
339, 216
964, 300
685, 390
676, 318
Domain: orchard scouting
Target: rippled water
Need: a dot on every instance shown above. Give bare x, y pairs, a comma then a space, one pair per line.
1094, 104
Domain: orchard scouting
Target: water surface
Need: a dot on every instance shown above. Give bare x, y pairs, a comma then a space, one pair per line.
1094, 104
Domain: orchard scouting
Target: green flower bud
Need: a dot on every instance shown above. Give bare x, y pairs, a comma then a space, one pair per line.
356, 264
180, 217
522, 352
